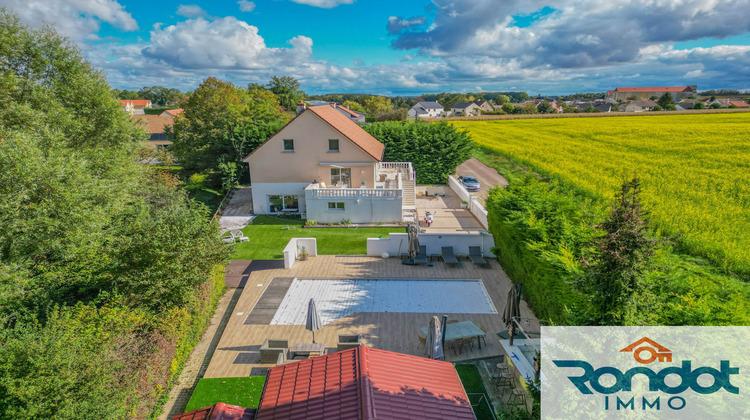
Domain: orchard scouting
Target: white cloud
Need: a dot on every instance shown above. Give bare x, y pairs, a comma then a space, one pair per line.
246, 6
77, 19
397, 24
191, 11
325, 4
580, 34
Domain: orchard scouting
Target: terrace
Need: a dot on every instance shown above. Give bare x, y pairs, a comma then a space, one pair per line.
386, 198
238, 351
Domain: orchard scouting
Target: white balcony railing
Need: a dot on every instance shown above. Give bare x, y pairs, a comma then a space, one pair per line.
398, 167
383, 193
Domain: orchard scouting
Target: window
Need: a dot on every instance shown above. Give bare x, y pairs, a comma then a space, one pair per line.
288, 145
340, 177
333, 145
279, 203
336, 207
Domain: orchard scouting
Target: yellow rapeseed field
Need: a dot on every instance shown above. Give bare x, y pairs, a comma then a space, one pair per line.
695, 169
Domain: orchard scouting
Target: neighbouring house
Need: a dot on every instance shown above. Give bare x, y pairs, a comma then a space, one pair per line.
132, 105
634, 93
687, 103
364, 383
598, 106
484, 105
426, 110
465, 108
639, 106
357, 117
738, 104
171, 112
326, 167
154, 125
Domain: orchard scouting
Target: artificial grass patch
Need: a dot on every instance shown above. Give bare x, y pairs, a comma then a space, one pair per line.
244, 392
473, 385
269, 235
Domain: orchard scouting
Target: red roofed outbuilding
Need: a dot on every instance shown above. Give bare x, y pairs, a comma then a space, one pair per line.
635, 93
218, 411
364, 383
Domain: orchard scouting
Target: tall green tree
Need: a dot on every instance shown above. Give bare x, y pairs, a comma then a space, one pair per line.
84, 226
222, 122
614, 275
666, 101
375, 105
287, 89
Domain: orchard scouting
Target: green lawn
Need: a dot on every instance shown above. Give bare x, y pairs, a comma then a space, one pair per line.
473, 384
269, 235
244, 392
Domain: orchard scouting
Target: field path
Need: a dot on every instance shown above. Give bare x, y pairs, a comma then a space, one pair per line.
487, 176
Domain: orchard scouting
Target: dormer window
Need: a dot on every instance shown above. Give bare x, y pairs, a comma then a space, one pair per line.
288, 145
333, 145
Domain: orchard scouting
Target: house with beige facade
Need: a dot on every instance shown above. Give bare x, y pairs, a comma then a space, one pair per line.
327, 168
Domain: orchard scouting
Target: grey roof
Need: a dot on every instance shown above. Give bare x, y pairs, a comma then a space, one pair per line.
318, 103
463, 105
428, 105
645, 103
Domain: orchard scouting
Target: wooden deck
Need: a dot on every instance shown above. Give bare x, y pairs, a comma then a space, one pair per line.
237, 352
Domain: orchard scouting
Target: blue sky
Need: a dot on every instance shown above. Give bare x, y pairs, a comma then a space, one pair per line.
409, 47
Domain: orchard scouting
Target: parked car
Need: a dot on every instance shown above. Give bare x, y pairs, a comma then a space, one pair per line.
469, 182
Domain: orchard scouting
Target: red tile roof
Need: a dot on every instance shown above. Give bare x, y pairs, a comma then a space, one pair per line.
738, 104
154, 124
135, 102
364, 383
173, 112
348, 111
218, 411
350, 130
655, 89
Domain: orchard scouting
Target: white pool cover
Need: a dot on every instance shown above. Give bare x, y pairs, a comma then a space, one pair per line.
338, 298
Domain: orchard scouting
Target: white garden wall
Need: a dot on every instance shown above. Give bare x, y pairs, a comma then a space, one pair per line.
397, 243
475, 207
294, 248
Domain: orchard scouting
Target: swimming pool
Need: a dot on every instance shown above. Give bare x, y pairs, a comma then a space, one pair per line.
338, 298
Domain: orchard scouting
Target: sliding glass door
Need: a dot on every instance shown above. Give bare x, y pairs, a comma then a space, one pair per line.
341, 177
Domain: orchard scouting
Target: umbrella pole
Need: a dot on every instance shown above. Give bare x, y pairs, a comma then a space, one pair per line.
313, 337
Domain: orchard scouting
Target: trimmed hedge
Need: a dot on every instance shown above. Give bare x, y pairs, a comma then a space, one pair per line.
539, 233
435, 150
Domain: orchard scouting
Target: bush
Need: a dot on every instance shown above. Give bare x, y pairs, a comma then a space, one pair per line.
435, 150
196, 182
540, 232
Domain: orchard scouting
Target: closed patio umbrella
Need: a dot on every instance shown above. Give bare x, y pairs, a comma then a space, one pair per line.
435, 340
413, 241
512, 309
313, 318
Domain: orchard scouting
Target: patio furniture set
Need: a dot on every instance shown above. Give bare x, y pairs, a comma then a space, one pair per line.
504, 379
458, 335
234, 237
279, 351
449, 257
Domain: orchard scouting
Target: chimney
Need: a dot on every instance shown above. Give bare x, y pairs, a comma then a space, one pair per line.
301, 107
333, 104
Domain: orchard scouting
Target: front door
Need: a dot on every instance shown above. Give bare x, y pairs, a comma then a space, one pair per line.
341, 177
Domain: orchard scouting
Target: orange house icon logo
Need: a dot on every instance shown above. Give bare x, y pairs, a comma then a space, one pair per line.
654, 350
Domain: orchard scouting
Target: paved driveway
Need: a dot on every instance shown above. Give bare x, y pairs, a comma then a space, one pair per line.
449, 217
487, 176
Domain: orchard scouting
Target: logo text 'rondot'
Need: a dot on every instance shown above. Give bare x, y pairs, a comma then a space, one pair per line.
663, 370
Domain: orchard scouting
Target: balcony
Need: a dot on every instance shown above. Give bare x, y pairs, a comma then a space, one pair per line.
319, 191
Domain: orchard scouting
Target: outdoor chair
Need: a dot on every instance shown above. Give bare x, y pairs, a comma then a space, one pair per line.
228, 240
475, 254
448, 257
237, 234
421, 257
482, 337
270, 350
347, 342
